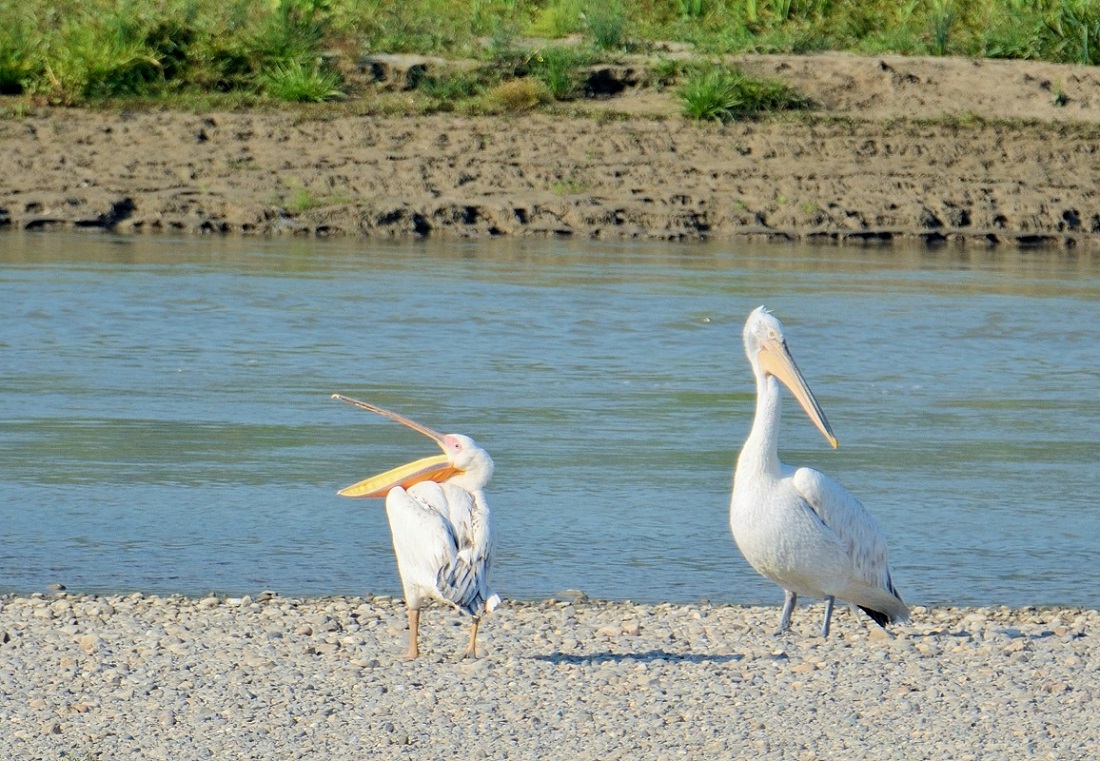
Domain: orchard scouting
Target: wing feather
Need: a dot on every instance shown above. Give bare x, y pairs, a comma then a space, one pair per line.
860, 534
465, 580
443, 543
423, 538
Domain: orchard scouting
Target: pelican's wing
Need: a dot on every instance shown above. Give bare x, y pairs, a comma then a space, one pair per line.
857, 530
423, 538
465, 580
437, 541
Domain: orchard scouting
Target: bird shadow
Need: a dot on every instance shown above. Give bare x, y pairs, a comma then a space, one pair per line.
644, 657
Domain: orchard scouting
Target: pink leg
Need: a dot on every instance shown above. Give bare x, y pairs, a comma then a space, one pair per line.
414, 634
471, 649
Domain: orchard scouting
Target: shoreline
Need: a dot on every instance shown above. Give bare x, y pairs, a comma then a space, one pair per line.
176, 677
976, 154
540, 176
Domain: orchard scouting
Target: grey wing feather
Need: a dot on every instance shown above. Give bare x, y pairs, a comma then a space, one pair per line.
461, 574
465, 580
856, 528
461, 583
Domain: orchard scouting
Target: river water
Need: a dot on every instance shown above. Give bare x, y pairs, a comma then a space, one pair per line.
166, 422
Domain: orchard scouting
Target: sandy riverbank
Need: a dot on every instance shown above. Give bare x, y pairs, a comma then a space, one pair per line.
977, 152
179, 678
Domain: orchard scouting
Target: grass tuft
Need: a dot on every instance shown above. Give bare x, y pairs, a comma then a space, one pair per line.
298, 82
559, 68
725, 94
691, 9
517, 95
606, 22
943, 18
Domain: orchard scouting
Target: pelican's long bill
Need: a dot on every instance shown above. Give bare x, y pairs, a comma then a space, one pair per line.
437, 468
777, 360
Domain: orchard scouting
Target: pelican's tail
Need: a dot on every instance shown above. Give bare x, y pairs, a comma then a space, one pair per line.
887, 610
896, 616
878, 617
898, 612
478, 607
882, 603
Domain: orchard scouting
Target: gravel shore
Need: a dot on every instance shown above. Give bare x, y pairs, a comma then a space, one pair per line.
151, 677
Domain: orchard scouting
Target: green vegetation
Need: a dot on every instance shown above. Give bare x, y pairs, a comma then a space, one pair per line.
191, 52
302, 200
559, 67
300, 82
722, 94
606, 21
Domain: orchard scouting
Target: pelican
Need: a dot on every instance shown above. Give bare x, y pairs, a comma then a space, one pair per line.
439, 519
796, 526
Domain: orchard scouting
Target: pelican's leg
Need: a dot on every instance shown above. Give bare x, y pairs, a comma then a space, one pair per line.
414, 634
789, 599
828, 614
471, 649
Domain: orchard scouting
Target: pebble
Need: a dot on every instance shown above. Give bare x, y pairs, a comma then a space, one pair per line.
268, 677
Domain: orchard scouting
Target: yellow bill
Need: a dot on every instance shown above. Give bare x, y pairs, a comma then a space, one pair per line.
437, 468
777, 360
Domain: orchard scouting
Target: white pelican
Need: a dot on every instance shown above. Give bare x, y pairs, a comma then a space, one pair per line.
797, 526
439, 519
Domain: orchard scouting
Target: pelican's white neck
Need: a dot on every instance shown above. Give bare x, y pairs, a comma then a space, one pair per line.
471, 481
761, 450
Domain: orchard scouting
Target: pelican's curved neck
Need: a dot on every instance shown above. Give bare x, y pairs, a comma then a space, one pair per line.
474, 483
761, 450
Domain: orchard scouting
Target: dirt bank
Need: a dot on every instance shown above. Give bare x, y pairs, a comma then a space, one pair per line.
978, 152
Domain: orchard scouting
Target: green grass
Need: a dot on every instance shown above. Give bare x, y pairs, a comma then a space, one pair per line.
691, 9
712, 95
300, 82
302, 200
1074, 32
457, 90
557, 18
606, 22
724, 94
943, 18
559, 68
190, 51
567, 186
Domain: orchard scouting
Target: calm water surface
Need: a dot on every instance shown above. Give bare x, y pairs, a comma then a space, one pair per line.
166, 426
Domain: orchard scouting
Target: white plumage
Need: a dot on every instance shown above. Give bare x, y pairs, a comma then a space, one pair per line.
796, 526
441, 526
443, 537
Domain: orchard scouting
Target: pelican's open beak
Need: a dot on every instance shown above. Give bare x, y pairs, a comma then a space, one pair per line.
776, 359
437, 468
